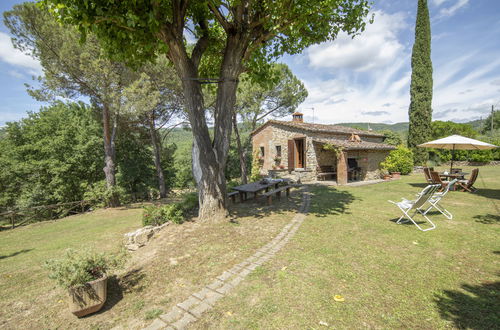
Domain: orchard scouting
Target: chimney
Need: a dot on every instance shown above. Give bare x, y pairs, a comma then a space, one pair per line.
298, 117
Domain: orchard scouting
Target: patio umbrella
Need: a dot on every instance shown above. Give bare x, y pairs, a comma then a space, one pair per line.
457, 142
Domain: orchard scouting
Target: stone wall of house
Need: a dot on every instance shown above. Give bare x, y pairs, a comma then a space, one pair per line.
369, 162
273, 135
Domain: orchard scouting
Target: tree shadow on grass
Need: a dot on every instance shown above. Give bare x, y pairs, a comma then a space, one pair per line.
327, 200
474, 307
419, 185
259, 208
118, 285
13, 254
488, 193
487, 219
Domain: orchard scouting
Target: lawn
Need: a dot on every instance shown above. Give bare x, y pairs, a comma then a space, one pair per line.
390, 275
181, 260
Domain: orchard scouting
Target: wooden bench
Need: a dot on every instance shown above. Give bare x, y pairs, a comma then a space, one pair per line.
322, 172
233, 195
269, 194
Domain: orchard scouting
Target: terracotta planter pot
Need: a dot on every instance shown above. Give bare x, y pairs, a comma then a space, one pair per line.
387, 177
88, 299
396, 175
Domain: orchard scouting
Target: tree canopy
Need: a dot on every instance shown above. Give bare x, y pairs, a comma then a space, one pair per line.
230, 37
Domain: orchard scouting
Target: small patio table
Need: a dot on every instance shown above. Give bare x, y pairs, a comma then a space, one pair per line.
255, 188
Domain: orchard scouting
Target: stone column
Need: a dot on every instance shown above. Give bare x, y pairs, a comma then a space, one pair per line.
342, 168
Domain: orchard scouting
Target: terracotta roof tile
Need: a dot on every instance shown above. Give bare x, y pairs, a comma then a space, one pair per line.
319, 128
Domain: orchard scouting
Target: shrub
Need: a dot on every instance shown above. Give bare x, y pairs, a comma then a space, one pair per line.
190, 201
153, 216
80, 267
175, 212
399, 160
481, 156
100, 196
255, 171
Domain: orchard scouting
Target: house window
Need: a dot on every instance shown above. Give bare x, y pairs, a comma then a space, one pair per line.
262, 151
278, 151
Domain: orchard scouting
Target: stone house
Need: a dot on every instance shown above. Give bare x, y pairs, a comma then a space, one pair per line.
318, 151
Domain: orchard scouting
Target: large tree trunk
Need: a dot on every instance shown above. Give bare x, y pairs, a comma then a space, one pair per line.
155, 141
210, 157
109, 155
241, 152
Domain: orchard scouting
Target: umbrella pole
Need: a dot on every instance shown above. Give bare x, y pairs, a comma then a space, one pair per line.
452, 156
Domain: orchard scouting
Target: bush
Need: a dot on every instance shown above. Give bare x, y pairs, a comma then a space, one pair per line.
481, 156
175, 212
100, 196
80, 267
190, 201
399, 160
153, 216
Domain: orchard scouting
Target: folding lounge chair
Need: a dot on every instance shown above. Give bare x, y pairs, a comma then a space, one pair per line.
468, 185
414, 207
436, 198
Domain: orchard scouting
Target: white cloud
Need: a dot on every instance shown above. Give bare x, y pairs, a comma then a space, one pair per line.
12, 56
376, 47
16, 74
450, 11
438, 2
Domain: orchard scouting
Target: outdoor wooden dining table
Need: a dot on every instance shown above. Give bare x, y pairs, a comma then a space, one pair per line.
459, 175
451, 176
255, 188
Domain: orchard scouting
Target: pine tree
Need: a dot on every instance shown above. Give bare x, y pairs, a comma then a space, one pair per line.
420, 110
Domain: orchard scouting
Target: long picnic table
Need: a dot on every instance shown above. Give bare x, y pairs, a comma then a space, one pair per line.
256, 187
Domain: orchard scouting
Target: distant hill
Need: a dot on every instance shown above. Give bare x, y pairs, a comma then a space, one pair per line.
476, 124
398, 127
403, 127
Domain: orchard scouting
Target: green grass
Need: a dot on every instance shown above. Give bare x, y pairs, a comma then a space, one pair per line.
24, 250
392, 276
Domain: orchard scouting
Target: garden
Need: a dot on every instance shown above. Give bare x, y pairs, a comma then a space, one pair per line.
349, 245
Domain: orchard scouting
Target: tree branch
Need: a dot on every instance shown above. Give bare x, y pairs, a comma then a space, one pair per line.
201, 45
219, 17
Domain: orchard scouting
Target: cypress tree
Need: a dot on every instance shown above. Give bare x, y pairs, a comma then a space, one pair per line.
420, 111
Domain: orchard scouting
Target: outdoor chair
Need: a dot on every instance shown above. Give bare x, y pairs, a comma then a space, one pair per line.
436, 179
468, 185
415, 206
427, 175
436, 198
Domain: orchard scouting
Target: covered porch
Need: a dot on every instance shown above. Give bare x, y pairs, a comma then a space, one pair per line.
344, 161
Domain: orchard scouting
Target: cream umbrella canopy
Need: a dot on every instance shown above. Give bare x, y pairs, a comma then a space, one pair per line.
457, 142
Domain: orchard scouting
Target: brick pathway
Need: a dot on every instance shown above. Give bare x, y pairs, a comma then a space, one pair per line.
195, 305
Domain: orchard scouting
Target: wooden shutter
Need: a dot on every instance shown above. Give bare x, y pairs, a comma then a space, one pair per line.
291, 155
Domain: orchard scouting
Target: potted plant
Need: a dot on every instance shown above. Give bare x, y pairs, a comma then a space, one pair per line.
84, 274
384, 174
396, 175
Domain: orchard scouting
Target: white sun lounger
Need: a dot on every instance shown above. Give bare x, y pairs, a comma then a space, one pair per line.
415, 206
436, 198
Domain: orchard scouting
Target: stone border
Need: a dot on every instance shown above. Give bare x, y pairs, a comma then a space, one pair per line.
191, 309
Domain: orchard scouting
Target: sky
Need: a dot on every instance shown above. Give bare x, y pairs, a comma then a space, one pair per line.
365, 79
